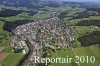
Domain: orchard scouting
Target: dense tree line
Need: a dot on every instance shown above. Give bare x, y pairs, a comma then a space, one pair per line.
89, 23
9, 12
9, 26
31, 13
75, 16
90, 38
63, 14
84, 14
94, 9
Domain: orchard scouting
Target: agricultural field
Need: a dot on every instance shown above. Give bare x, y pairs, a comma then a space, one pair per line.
75, 21
12, 59
81, 51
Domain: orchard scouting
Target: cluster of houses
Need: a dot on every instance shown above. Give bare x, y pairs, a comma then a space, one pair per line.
49, 33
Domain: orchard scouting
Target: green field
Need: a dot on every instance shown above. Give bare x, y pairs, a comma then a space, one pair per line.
81, 51
12, 59
89, 51
75, 21
63, 54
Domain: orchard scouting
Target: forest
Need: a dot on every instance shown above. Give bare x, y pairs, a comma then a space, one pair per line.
90, 38
89, 23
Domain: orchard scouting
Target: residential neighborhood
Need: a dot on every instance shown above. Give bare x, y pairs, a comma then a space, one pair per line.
50, 33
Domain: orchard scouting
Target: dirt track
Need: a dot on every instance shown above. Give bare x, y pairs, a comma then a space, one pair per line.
1, 49
2, 54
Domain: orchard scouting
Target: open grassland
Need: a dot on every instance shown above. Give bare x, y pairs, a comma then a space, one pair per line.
25, 16
89, 51
74, 21
81, 51
63, 54
1, 28
81, 30
12, 59
75, 11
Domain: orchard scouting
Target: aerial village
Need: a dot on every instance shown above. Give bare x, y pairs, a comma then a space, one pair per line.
32, 37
